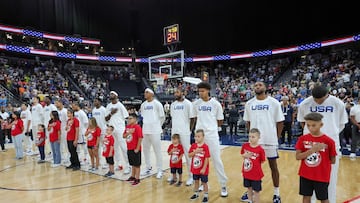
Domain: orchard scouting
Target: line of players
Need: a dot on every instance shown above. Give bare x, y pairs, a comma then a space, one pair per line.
262, 112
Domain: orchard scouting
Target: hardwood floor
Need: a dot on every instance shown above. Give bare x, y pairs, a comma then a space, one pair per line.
26, 181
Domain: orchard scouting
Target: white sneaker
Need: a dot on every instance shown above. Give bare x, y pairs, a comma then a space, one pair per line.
127, 170
55, 165
352, 155
189, 182
146, 172
170, 178
224, 192
159, 175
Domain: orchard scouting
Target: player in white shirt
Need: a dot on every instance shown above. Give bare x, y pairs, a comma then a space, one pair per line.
355, 120
63, 119
116, 114
334, 120
182, 119
209, 117
83, 125
99, 113
48, 108
264, 113
37, 116
152, 112
25, 116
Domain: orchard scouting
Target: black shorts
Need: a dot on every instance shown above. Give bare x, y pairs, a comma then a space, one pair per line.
308, 186
203, 178
110, 160
174, 170
134, 158
254, 184
91, 147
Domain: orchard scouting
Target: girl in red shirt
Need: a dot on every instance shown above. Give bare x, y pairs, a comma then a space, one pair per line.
17, 127
54, 129
93, 134
40, 142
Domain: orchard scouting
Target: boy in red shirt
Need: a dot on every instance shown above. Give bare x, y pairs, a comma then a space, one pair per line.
108, 152
176, 152
40, 142
317, 152
254, 156
200, 154
133, 135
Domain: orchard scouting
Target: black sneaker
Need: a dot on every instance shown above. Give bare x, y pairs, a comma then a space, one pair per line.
178, 184
131, 179
205, 200
76, 168
276, 199
69, 167
172, 182
194, 196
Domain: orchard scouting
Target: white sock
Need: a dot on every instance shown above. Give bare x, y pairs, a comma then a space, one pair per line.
276, 191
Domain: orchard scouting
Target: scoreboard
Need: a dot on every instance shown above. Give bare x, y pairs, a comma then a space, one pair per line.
171, 34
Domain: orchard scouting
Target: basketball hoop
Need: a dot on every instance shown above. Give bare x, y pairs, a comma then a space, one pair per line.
160, 78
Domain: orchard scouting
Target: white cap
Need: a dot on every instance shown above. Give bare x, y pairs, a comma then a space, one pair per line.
113, 92
149, 90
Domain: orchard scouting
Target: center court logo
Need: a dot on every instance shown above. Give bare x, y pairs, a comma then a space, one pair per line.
321, 109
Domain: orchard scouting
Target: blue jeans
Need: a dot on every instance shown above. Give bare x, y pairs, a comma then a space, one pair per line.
18, 139
55, 148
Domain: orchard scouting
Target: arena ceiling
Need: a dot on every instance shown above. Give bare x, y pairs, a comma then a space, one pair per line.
206, 27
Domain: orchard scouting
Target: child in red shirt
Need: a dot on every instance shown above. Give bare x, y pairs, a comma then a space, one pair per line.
317, 152
133, 135
93, 133
108, 152
200, 154
17, 127
176, 152
254, 156
40, 142
54, 129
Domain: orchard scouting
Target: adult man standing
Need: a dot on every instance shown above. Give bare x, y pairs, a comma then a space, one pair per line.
334, 120
83, 125
99, 113
116, 114
152, 112
288, 112
182, 118
37, 117
209, 117
63, 119
48, 108
233, 119
264, 113
25, 116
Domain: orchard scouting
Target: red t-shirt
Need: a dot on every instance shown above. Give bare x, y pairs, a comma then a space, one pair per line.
252, 166
133, 139
54, 130
108, 142
316, 166
17, 127
40, 139
93, 136
175, 160
72, 125
198, 159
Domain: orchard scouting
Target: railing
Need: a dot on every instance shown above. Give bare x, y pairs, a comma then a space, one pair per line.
11, 98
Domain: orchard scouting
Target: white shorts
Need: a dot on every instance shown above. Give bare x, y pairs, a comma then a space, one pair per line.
271, 151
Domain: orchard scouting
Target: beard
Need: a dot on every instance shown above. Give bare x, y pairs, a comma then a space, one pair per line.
178, 98
260, 91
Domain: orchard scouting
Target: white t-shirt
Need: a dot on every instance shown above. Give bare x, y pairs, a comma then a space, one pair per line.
208, 113
99, 115
264, 115
355, 111
153, 116
83, 121
118, 119
37, 115
63, 119
181, 112
47, 111
25, 117
334, 112
4, 115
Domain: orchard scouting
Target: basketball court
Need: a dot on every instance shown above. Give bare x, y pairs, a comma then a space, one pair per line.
40, 183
